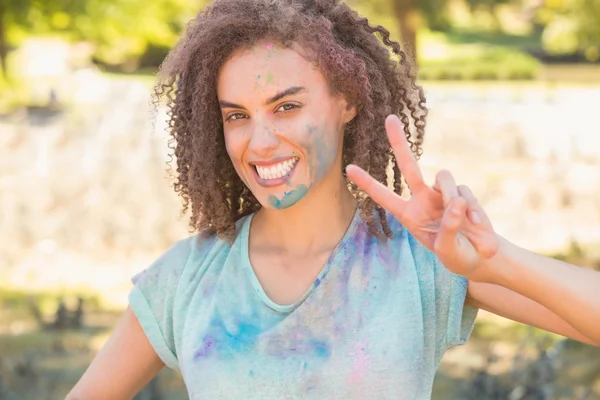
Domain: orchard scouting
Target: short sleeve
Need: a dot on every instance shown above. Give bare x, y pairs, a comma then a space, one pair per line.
446, 313
456, 319
152, 299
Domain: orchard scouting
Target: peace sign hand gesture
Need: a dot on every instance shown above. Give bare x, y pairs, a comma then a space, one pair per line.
445, 218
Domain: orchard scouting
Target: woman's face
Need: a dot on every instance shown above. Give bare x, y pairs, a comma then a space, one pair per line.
283, 128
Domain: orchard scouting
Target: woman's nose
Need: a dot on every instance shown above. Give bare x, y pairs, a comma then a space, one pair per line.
263, 142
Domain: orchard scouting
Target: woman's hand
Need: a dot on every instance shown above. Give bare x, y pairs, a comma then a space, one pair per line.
445, 218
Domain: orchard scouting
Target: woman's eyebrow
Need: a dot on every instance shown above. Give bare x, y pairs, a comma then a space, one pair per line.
227, 104
278, 96
286, 92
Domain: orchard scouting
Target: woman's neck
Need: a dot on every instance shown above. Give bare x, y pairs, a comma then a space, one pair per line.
315, 224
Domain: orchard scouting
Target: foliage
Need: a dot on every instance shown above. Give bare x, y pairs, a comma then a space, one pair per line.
121, 30
434, 12
497, 64
458, 55
410, 17
571, 26
12, 94
577, 254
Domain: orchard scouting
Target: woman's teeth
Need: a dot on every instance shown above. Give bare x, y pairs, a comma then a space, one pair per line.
278, 170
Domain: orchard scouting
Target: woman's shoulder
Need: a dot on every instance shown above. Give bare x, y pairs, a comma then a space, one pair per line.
191, 252
409, 246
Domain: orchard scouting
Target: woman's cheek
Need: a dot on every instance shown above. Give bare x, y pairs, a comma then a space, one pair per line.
235, 152
321, 152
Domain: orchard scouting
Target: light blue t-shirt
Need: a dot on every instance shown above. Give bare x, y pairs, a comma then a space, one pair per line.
373, 326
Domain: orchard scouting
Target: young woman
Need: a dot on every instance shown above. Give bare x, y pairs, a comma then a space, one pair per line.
299, 285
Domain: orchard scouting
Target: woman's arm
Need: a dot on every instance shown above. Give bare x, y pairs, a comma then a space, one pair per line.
125, 364
541, 292
448, 220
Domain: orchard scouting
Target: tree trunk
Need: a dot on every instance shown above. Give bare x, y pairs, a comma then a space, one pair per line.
407, 13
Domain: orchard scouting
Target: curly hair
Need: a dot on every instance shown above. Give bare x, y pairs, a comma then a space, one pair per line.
354, 57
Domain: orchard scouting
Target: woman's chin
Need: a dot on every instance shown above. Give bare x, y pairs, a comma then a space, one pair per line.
282, 199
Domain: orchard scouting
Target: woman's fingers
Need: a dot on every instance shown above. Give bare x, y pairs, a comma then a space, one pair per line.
404, 157
481, 234
452, 221
474, 211
445, 184
377, 191
463, 216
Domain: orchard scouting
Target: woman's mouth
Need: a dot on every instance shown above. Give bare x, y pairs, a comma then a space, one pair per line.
275, 173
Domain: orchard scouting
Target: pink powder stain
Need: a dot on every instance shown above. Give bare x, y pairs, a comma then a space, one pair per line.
360, 364
270, 46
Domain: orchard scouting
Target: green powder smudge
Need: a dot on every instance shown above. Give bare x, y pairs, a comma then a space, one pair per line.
289, 198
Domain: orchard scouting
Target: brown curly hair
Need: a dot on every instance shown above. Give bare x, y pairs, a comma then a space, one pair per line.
356, 63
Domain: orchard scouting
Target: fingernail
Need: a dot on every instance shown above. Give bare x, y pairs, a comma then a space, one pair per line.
455, 211
475, 218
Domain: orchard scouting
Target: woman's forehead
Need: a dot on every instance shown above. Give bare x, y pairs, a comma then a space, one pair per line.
265, 54
265, 67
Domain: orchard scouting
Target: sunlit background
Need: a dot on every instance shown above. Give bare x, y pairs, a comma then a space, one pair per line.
85, 200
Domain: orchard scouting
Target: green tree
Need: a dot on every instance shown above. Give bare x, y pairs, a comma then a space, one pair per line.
411, 15
407, 15
490, 6
12, 12
120, 30
571, 26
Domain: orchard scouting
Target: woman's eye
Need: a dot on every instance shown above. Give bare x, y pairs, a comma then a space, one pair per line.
287, 107
236, 116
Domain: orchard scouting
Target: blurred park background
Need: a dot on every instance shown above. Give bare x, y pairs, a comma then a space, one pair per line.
514, 92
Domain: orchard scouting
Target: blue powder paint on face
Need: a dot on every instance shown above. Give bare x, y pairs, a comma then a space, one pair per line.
321, 154
289, 198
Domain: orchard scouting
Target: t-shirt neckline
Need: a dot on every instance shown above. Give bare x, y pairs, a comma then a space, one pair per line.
260, 292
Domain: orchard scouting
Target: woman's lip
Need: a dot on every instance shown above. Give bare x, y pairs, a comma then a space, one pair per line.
268, 163
274, 182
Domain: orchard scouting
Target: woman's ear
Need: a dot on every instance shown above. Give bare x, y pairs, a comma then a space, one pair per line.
349, 113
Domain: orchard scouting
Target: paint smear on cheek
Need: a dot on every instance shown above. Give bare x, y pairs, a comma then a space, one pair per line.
289, 198
320, 152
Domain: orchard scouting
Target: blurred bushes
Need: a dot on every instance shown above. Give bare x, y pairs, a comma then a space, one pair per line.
571, 26
13, 92
121, 31
584, 256
490, 64
130, 35
12, 95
